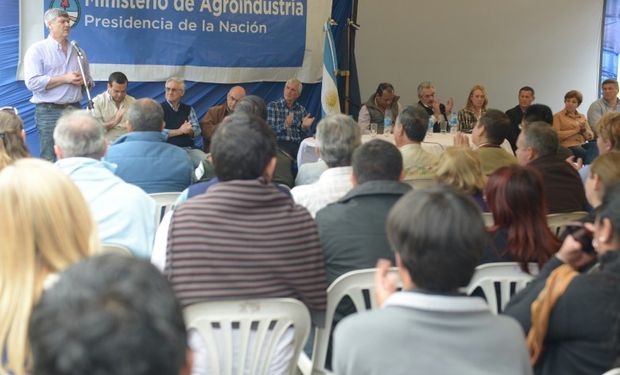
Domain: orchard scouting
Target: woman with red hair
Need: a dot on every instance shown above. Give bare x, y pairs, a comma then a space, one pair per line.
514, 196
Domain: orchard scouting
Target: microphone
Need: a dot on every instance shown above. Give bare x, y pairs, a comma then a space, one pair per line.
77, 49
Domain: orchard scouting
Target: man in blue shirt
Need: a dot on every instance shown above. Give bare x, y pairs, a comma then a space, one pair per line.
288, 119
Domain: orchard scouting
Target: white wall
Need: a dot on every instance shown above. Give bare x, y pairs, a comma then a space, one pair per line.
551, 45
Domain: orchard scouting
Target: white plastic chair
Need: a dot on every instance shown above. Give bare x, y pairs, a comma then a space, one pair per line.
163, 204
421, 182
352, 284
508, 275
256, 318
116, 249
613, 371
557, 222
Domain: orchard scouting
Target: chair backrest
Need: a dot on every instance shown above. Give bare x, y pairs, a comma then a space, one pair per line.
356, 285
421, 182
116, 249
163, 204
499, 282
258, 323
557, 222
613, 371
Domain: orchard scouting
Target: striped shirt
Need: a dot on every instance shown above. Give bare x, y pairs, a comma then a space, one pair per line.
245, 239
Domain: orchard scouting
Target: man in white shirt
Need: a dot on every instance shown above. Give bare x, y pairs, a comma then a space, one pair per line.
337, 136
111, 105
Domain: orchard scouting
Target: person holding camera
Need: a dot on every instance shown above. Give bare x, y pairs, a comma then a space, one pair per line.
570, 310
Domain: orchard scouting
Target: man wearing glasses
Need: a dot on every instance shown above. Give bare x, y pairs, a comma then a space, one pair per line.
216, 114
52, 73
181, 123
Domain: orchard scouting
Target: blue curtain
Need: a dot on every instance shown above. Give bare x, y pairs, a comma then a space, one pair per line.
200, 95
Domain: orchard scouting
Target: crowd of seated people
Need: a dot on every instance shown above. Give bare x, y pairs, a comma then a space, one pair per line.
255, 227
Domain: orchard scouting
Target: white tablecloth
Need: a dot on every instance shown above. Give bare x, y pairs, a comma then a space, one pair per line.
434, 143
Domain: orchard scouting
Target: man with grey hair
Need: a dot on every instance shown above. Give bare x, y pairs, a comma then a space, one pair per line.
181, 123
432, 105
123, 212
52, 73
537, 147
337, 137
288, 119
143, 156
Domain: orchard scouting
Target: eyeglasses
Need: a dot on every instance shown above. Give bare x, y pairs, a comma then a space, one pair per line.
10, 109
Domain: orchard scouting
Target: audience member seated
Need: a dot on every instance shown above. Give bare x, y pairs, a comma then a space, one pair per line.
537, 147
352, 230
608, 103
265, 245
542, 112
516, 114
12, 138
144, 158
216, 114
432, 106
520, 233
111, 106
181, 123
409, 133
569, 312
488, 135
123, 212
429, 328
608, 138
604, 173
474, 109
310, 173
373, 111
289, 120
109, 315
337, 136
460, 168
572, 127
45, 226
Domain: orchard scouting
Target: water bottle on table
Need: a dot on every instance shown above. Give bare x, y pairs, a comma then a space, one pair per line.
429, 129
454, 123
387, 121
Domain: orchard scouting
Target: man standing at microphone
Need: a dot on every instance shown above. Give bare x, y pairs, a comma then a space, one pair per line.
52, 73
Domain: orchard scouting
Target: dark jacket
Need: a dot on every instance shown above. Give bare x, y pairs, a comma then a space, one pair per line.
562, 186
582, 323
516, 116
429, 111
352, 230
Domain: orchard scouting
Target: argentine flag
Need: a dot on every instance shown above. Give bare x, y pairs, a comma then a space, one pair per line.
330, 102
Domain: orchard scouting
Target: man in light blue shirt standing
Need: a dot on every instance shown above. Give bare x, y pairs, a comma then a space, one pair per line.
52, 73
124, 213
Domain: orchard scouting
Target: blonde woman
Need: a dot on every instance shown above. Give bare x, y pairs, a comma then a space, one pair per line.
460, 168
45, 226
572, 127
476, 106
12, 138
608, 140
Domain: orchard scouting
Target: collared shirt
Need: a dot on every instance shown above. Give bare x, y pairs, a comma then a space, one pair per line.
333, 184
598, 108
418, 162
124, 213
46, 59
565, 124
277, 111
105, 110
192, 118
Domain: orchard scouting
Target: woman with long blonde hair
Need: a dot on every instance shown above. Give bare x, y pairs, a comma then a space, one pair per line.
460, 168
12, 138
474, 109
45, 226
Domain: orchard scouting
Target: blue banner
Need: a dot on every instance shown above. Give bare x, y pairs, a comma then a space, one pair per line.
223, 41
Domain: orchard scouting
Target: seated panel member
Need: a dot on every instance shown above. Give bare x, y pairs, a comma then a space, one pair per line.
373, 111
433, 107
111, 106
216, 114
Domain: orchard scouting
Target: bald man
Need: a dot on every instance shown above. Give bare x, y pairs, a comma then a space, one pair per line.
216, 114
